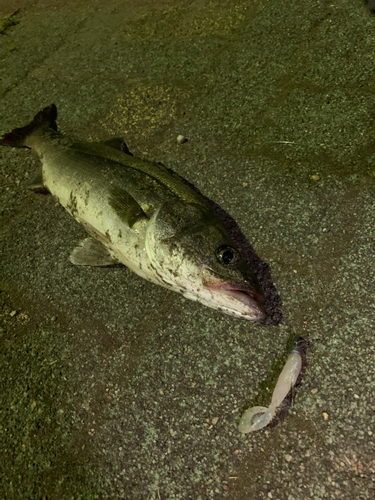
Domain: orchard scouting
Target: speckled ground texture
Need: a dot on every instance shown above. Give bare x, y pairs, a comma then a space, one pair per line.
109, 384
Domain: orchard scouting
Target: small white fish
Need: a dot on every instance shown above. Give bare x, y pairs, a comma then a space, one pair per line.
258, 417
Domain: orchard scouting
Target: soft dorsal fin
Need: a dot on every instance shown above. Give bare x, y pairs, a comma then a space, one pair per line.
158, 172
117, 143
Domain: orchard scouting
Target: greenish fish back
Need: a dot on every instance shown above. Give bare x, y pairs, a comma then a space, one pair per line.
156, 171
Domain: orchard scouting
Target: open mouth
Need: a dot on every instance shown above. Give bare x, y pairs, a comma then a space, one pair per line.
251, 293
251, 298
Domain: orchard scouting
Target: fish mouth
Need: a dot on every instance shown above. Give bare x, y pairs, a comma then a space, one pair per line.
251, 298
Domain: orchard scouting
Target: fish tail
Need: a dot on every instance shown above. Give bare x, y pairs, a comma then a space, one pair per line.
17, 138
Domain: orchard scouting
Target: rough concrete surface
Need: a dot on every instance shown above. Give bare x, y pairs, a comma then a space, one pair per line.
112, 387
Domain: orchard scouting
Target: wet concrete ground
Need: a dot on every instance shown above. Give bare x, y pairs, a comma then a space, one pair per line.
113, 387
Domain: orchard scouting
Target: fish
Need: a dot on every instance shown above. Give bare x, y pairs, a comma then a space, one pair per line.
141, 214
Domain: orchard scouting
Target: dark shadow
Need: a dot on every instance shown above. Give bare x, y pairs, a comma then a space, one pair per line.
371, 5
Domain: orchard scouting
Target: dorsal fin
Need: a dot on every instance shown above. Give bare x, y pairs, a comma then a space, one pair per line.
157, 171
117, 143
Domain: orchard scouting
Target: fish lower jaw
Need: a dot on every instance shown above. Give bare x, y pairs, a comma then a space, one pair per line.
254, 317
226, 304
243, 305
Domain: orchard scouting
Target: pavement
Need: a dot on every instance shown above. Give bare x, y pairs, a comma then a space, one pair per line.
115, 388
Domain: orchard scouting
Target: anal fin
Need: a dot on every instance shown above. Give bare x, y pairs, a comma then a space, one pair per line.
37, 185
91, 252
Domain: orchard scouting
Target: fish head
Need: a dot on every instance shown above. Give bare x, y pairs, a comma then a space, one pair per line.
190, 251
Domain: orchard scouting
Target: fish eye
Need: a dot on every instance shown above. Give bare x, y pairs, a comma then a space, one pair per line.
226, 255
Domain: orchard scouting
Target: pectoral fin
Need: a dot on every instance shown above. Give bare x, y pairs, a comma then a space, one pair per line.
125, 206
91, 252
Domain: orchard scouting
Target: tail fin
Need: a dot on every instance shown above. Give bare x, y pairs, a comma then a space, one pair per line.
16, 138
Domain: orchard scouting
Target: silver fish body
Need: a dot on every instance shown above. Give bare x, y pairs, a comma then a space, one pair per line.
141, 214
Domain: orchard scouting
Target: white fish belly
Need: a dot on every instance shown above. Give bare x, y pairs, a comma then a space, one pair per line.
88, 203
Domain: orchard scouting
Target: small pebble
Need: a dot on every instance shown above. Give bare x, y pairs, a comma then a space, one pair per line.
315, 177
181, 139
270, 495
54, 318
325, 416
314, 391
214, 420
13, 313
288, 458
356, 396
